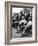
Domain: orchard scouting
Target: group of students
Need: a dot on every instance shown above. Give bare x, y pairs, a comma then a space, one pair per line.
23, 23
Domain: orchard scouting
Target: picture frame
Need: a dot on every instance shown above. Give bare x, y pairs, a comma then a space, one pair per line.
8, 22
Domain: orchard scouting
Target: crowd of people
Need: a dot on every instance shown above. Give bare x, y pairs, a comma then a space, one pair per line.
23, 22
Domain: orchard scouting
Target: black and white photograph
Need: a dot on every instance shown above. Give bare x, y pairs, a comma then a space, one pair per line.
21, 22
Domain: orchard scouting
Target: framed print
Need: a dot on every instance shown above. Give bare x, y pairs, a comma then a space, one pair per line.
20, 22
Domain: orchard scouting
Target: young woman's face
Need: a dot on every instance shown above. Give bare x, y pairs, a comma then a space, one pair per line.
23, 11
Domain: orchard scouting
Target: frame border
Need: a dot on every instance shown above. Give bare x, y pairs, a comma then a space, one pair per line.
7, 3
